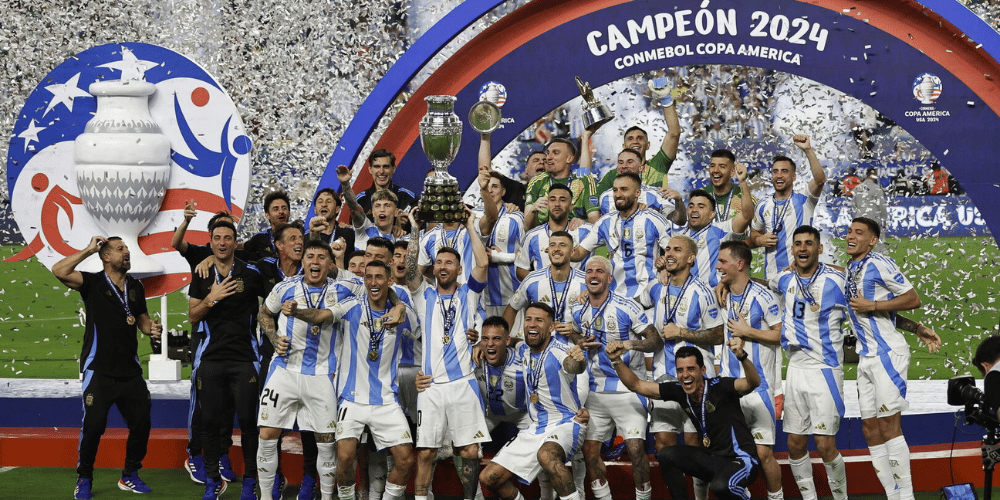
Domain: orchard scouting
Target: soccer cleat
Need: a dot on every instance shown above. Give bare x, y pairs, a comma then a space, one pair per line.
195, 466
308, 489
279, 487
226, 469
82, 490
249, 489
213, 488
132, 483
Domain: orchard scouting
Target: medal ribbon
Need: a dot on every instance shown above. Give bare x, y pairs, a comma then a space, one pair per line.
454, 240
493, 234
622, 223
778, 221
493, 399
559, 304
696, 235
448, 313
308, 296
722, 215
852, 275
122, 295
376, 335
592, 327
533, 376
672, 306
704, 400
804, 287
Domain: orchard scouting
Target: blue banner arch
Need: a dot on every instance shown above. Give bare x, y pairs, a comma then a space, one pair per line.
873, 51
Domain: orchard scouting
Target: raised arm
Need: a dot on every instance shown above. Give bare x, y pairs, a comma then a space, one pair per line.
479, 272
491, 212
819, 175
673, 137
742, 219
65, 270
413, 275
357, 213
177, 241
615, 350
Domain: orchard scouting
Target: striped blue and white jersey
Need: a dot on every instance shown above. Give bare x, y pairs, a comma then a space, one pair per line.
447, 353
759, 307
633, 244
708, 239
815, 331
617, 318
538, 287
365, 380
433, 240
506, 236
503, 387
309, 353
649, 195
694, 308
558, 398
876, 277
367, 231
350, 285
780, 218
532, 255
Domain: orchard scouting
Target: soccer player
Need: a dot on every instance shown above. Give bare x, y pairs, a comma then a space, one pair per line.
633, 237
368, 388
709, 233
559, 156
382, 167
727, 195
115, 304
324, 225
686, 314
501, 244
531, 254
277, 211
605, 317
299, 384
383, 212
663, 200
550, 377
558, 284
752, 314
225, 307
776, 217
727, 458
452, 407
875, 290
812, 294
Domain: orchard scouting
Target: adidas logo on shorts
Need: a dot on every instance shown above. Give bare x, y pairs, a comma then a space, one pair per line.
479, 435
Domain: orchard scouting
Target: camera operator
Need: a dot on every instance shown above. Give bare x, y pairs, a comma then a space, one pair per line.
986, 359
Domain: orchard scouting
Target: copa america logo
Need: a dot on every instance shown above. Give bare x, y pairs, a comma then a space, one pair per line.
114, 141
926, 88
494, 92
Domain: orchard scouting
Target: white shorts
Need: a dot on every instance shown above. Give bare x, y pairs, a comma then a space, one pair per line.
289, 396
758, 410
454, 410
406, 378
521, 420
520, 455
669, 416
624, 411
387, 423
882, 384
814, 401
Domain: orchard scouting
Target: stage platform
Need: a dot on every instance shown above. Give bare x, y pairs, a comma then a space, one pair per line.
40, 427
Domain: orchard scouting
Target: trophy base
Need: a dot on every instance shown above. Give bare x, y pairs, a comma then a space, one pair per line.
441, 203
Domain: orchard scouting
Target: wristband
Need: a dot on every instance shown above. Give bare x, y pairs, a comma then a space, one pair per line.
616, 362
745, 356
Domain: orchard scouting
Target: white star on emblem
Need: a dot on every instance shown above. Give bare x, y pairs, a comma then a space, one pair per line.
30, 134
130, 66
64, 93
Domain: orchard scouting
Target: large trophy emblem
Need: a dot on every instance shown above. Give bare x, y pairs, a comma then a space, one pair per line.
595, 113
123, 165
440, 136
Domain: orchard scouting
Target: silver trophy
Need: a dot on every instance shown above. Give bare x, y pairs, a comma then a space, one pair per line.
484, 117
595, 113
440, 136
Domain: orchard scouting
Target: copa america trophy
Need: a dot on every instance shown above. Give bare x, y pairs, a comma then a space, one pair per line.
440, 136
595, 113
123, 165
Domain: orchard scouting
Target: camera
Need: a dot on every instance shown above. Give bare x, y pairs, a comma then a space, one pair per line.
962, 391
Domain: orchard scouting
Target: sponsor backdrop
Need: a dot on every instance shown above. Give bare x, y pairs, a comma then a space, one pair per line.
912, 63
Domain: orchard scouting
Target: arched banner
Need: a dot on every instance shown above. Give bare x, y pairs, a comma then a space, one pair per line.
913, 62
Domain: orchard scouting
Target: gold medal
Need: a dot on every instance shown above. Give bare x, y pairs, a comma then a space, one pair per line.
130, 320
373, 355
314, 329
377, 323
705, 441
446, 339
534, 398
814, 307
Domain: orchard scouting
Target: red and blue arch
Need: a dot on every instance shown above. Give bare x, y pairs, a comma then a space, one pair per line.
874, 51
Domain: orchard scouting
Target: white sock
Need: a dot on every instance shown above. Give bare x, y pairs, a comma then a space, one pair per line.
376, 475
267, 465
326, 467
880, 461
572, 496
579, 472
394, 491
802, 471
601, 491
419, 497
346, 492
899, 460
645, 493
544, 486
700, 489
519, 495
777, 495
836, 475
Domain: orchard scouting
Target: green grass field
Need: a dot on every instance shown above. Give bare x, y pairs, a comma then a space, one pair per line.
41, 326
